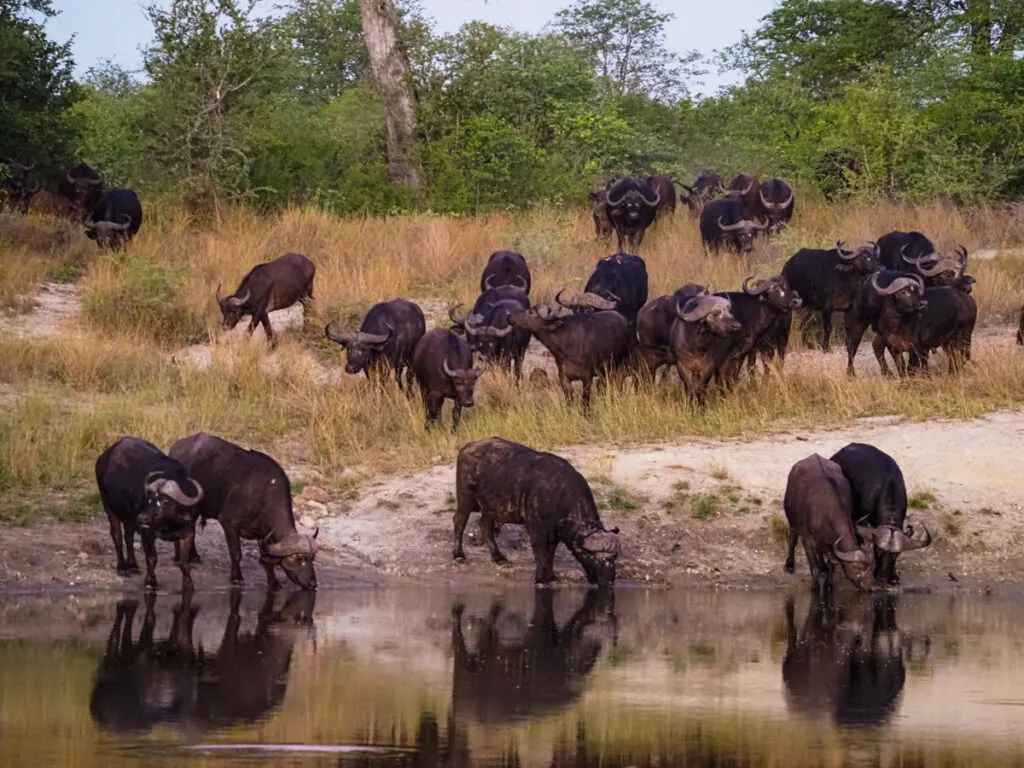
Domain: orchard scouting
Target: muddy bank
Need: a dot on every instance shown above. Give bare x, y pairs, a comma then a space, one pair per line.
701, 512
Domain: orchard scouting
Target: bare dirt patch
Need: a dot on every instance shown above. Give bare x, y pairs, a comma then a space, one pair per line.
54, 306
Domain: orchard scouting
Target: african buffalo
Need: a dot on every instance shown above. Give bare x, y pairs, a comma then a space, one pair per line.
385, 340
618, 282
746, 188
22, 185
506, 268
846, 664
443, 365
82, 185
664, 187
632, 207
538, 672
775, 202
489, 329
763, 310
939, 270
50, 204
916, 320
115, 219
819, 507
705, 187
880, 499
654, 326
584, 346
828, 281
509, 483
895, 246
701, 342
602, 223
249, 494
278, 284
725, 224
143, 489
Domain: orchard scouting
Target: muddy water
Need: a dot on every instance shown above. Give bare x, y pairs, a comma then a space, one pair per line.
566, 678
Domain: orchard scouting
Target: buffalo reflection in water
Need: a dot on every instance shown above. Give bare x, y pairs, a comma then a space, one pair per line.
539, 669
145, 682
847, 662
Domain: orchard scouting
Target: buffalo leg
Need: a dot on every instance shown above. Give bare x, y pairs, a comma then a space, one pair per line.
588, 384
901, 363
456, 416
265, 322
878, 347
466, 506
149, 548
182, 548
488, 527
826, 330
544, 546
854, 334
129, 548
234, 554
434, 404
272, 583
118, 539
816, 566
790, 565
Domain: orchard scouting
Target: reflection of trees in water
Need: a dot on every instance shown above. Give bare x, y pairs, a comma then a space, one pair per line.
145, 682
847, 662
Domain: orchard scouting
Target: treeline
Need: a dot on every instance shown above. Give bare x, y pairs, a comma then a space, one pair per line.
907, 99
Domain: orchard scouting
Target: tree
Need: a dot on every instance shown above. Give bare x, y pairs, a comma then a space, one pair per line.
626, 42
36, 87
393, 75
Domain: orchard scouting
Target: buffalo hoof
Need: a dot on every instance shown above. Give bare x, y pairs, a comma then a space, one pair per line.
553, 584
460, 558
789, 568
273, 586
499, 559
151, 585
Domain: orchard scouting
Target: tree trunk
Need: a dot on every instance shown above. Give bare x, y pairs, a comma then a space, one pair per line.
392, 72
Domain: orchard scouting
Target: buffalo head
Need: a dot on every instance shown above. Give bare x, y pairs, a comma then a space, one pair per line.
170, 506
863, 259
360, 348
632, 202
597, 553
906, 293
776, 291
108, 234
464, 381
232, 308
295, 554
743, 232
715, 312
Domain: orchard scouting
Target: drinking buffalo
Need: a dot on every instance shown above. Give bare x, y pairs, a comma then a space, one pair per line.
143, 489
702, 342
506, 268
530, 674
489, 328
617, 283
654, 326
267, 288
725, 223
819, 507
249, 494
827, 281
510, 483
115, 218
775, 202
880, 500
584, 346
632, 207
443, 364
385, 340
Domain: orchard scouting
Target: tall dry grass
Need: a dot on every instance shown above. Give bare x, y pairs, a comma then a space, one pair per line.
123, 370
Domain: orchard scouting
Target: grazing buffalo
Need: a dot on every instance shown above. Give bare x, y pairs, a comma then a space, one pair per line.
632, 206
509, 483
654, 326
266, 288
618, 282
249, 494
819, 508
836, 172
506, 268
726, 224
143, 489
828, 281
489, 328
22, 185
115, 219
515, 676
584, 346
602, 222
880, 499
894, 247
705, 187
776, 203
443, 364
764, 311
385, 341
82, 185
664, 187
48, 203
916, 320
746, 187
702, 341
846, 664
142, 684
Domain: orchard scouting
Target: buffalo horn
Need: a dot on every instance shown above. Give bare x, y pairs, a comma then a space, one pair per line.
447, 370
35, 187
172, 490
521, 283
846, 255
602, 541
732, 227
89, 224
761, 226
942, 265
238, 301
653, 203
761, 287
592, 301
920, 260
612, 203
897, 285
488, 282
344, 339
293, 544
472, 323
901, 542
457, 321
371, 339
700, 307
961, 253
857, 556
500, 332
559, 302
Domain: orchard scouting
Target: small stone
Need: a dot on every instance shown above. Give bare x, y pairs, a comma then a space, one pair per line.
307, 521
83, 556
314, 493
316, 508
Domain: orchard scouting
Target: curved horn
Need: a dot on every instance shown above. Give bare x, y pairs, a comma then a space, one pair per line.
127, 222
447, 370
602, 541
961, 253
488, 282
96, 182
785, 203
500, 332
849, 557
173, 491
375, 338
920, 259
344, 339
593, 301
70, 179
293, 544
238, 301
761, 227
521, 282
942, 265
559, 302
845, 255
695, 309
89, 224
456, 319
153, 481
897, 285
768, 206
35, 188
762, 286
219, 299
731, 227
653, 203
616, 201
901, 542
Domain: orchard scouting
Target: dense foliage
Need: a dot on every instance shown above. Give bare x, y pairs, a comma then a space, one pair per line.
925, 98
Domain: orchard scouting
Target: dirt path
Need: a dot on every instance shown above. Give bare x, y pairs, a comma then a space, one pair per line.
55, 305
700, 512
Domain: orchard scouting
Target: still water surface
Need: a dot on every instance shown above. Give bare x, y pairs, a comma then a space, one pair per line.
428, 677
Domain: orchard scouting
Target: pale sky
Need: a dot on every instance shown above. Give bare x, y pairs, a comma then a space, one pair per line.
117, 29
